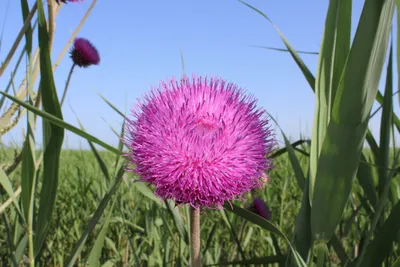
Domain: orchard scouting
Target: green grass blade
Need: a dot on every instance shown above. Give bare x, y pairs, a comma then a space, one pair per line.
293, 158
100, 161
372, 144
53, 135
364, 176
306, 72
95, 253
29, 32
144, 189
381, 245
28, 171
280, 259
334, 51
396, 120
260, 221
294, 145
286, 50
111, 105
63, 124
6, 184
396, 263
302, 228
385, 127
210, 237
179, 223
95, 218
233, 233
344, 139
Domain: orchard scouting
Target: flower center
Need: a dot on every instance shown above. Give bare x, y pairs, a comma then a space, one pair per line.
206, 126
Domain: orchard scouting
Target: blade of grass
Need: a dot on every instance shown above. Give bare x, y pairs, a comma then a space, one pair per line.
29, 31
53, 135
95, 253
286, 50
260, 221
281, 151
179, 223
364, 175
95, 218
61, 123
307, 73
100, 161
6, 184
111, 105
280, 259
333, 54
343, 142
380, 247
385, 127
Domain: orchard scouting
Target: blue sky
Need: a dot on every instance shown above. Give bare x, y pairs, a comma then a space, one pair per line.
140, 43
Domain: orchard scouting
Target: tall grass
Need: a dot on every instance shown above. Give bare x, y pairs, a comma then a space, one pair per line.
333, 202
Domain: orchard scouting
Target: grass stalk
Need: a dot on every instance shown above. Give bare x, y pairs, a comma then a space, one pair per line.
67, 84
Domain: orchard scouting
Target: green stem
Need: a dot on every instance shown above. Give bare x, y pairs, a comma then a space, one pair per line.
67, 84
195, 237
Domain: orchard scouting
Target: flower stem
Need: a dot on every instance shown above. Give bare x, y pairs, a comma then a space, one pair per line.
67, 84
195, 237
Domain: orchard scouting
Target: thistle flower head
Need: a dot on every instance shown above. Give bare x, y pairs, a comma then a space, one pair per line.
199, 141
261, 208
84, 54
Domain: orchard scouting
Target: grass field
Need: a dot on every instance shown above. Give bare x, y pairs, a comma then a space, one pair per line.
144, 232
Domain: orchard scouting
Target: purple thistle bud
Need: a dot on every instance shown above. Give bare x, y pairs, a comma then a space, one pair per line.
84, 54
261, 208
199, 141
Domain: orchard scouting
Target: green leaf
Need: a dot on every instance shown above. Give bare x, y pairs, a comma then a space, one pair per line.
364, 175
6, 184
28, 32
63, 124
111, 105
334, 51
381, 246
385, 127
286, 50
344, 139
177, 217
95, 218
53, 135
95, 253
260, 221
293, 158
307, 73
144, 189
100, 161
302, 228
396, 263
263, 260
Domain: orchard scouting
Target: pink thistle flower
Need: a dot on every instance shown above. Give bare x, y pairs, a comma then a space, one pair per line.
201, 142
84, 54
261, 208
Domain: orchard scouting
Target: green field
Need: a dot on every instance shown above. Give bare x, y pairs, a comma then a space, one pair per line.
144, 232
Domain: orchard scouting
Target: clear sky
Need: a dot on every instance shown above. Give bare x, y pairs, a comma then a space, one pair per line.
140, 43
